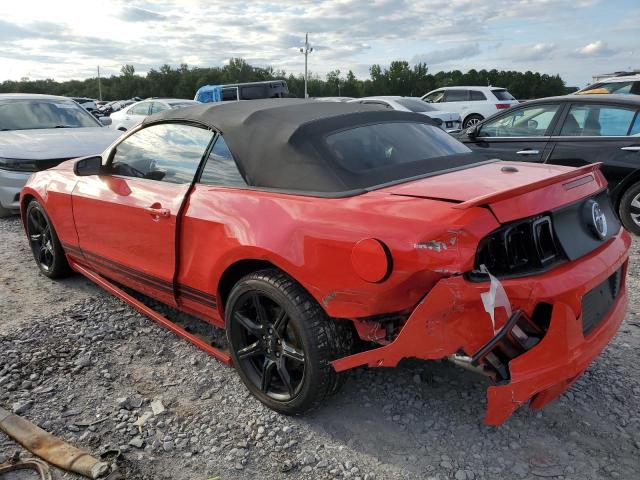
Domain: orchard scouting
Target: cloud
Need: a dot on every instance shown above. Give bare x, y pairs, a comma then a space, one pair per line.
135, 14
345, 34
538, 52
595, 49
447, 54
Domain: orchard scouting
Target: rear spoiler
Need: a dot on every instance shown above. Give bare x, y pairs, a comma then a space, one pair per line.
579, 176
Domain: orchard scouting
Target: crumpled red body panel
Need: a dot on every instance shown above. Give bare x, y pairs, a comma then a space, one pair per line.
451, 318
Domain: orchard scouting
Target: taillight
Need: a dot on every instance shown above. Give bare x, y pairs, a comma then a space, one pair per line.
500, 106
519, 248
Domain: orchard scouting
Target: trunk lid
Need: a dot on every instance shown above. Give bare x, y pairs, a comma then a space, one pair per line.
512, 190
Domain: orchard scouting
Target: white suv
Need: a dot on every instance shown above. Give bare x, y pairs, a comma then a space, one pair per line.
474, 104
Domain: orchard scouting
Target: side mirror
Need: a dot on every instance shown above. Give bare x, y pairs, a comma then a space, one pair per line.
472, 132
105, 121
88, 166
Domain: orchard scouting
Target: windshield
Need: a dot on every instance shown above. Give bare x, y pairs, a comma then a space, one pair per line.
386, 145
35, 114
502, 95
415, 105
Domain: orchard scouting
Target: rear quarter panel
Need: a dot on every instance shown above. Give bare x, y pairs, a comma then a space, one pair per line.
312, 238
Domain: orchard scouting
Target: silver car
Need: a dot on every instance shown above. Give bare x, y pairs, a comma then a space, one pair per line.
449, 121
40, 131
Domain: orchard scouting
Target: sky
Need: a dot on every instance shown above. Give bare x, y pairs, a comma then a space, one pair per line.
68, 39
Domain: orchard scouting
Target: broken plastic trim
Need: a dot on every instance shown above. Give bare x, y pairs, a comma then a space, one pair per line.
516, 337
496, 297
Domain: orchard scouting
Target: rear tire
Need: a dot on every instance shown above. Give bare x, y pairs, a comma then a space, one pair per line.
45, 245
472, 120
282, 342
629, 209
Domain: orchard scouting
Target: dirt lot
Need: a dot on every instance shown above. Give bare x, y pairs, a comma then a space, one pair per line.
71, 356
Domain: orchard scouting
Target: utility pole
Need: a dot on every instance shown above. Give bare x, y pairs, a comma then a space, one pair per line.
99, 85
306, 51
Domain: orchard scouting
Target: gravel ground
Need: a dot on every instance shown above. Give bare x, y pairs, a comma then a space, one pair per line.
86, 367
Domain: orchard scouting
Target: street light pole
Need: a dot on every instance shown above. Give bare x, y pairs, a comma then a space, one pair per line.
306, 51
99, 84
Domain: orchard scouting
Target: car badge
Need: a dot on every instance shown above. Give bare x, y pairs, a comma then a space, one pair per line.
596, 219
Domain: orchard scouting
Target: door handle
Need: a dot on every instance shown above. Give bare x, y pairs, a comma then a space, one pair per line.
157, 212
634, 148
528, 152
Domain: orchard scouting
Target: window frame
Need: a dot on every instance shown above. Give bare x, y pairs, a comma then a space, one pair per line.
440, 90
203, 163
480, 92
548, 133
130, 111
555, 135
446, 94
165, 106
106, 163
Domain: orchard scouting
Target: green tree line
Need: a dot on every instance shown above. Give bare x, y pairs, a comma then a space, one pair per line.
399, 78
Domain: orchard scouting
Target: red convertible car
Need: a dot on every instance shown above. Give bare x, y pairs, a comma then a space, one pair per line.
328, 236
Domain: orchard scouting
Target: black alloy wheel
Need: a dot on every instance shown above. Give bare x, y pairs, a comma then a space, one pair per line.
44, 242
282, 342
268, 346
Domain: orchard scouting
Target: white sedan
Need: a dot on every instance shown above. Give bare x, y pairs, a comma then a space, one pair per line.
128, 117
451, 121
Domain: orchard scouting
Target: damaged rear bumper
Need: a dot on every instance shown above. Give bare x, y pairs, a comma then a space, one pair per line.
451, 319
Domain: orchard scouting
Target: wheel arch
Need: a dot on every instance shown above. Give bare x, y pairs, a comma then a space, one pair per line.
469, 114
620, 188
25, 199
243, 267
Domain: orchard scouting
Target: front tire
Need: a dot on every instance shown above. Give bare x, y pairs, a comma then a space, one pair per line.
472, 120
629, 209
282, 342
43, 240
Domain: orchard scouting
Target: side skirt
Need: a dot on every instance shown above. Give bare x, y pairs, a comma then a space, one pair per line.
152, 314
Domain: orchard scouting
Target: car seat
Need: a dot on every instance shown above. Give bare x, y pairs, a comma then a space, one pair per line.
592, 124
571, 127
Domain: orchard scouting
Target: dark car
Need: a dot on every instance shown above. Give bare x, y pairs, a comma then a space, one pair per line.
572, 130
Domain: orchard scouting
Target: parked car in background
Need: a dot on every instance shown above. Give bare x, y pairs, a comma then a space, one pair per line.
474, 104
38, 132
242, 91
449, 121
622, 85
328, 236
333, 99
88, 104
118, 105
127, 117
573, 130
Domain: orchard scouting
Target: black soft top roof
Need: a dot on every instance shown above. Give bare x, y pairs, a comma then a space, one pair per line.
274, 142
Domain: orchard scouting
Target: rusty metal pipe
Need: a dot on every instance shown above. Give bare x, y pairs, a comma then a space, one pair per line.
51, 448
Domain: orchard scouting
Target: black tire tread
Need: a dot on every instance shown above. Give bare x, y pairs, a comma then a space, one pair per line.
61, 268
328, 335
623, 209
